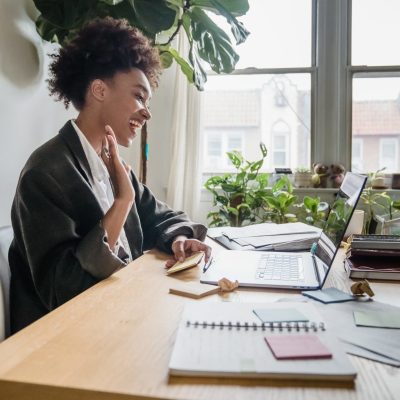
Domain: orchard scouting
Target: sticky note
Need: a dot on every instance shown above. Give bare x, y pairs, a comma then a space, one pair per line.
329, 295
378, 319
280, 315
189, 262
292, 347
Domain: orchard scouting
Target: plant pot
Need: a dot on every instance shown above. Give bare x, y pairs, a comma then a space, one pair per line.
378, 183
302, 179
387, 226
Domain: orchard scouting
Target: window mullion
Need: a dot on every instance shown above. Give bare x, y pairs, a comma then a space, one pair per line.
332, 142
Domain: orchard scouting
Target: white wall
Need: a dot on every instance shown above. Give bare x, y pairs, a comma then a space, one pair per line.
29, 116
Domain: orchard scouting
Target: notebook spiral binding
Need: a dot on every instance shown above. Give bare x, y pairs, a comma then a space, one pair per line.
271, 326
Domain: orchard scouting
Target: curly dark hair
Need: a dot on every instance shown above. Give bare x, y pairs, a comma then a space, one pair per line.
101, 48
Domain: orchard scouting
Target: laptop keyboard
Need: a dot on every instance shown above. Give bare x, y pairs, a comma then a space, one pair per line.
287, 267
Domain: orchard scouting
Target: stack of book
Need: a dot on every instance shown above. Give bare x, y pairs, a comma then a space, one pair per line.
373, 257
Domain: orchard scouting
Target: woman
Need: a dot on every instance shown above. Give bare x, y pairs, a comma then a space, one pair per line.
79, 213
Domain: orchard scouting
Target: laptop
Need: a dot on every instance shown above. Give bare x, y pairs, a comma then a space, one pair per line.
291, 270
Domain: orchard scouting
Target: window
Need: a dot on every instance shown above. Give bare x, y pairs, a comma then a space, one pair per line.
219, 142
280, 144
388, 157
357, 156
375, 81
268, 98
328, 70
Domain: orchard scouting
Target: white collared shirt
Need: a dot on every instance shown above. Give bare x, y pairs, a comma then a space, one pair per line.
101, 185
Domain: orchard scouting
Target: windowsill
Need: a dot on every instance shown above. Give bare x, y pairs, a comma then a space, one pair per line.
324, 193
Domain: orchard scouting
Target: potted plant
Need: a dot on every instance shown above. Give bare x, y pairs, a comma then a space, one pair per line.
390, 221
160, 21
279, 201
377, 179
239, 195
302, 177
374, 203
312, 211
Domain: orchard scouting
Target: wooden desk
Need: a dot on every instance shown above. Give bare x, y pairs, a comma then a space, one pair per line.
114, 341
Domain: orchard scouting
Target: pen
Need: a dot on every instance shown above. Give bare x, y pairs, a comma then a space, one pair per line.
208, 264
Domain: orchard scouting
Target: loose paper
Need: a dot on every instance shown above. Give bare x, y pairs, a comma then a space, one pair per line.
280, 315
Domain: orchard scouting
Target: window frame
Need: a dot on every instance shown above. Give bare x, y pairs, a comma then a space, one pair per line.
331, 76
368, 71
312, 70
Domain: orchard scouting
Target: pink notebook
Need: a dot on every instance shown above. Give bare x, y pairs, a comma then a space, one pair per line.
291, 347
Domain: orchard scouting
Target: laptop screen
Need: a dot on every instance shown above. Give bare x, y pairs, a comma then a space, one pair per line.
337, 221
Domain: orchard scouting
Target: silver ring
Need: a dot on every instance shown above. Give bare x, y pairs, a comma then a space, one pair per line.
106, 152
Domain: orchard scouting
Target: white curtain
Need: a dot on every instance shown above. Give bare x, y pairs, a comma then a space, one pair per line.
184, 182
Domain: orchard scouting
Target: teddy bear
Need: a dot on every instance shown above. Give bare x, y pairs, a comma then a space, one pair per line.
337, 175
320, 177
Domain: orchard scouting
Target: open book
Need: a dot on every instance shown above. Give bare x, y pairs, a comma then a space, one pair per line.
230, 340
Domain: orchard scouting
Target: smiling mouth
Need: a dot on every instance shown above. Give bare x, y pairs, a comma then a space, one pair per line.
134, 124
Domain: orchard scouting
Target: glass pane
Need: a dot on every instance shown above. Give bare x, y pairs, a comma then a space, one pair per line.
375, 32
245, 105
279, 142
280, 159
376, 123
234, 143
280, 34
214, 146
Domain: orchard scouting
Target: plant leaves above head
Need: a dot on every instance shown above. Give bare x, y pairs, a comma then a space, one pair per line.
154, 15
234, 7
199, 74
166, 59
229, 10
65, 14
50, 32
214, 45
169, 54
111, 2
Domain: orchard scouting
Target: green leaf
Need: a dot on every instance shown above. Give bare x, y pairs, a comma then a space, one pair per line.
111, 2
199, 74
213, 44
228, 187
257, 165
185, 66
223, 200
263, 149
50, 32
238, 30
166, 59
235, 159
176, 3
309, 202
235, 7
214, 180
233, 211
66, 14
154, 15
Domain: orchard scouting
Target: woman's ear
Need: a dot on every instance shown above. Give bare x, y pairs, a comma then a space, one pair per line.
97, 89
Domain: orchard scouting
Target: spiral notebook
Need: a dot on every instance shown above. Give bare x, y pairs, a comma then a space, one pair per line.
230, 340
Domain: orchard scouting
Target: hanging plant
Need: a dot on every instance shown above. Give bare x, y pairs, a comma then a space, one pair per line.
160, 20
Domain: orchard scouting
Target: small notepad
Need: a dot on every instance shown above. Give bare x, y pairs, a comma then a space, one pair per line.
329, 295
194, 290
297, 347
281, 315
378, 319
189, 262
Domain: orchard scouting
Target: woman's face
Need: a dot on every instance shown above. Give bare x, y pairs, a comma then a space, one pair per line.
125, 106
